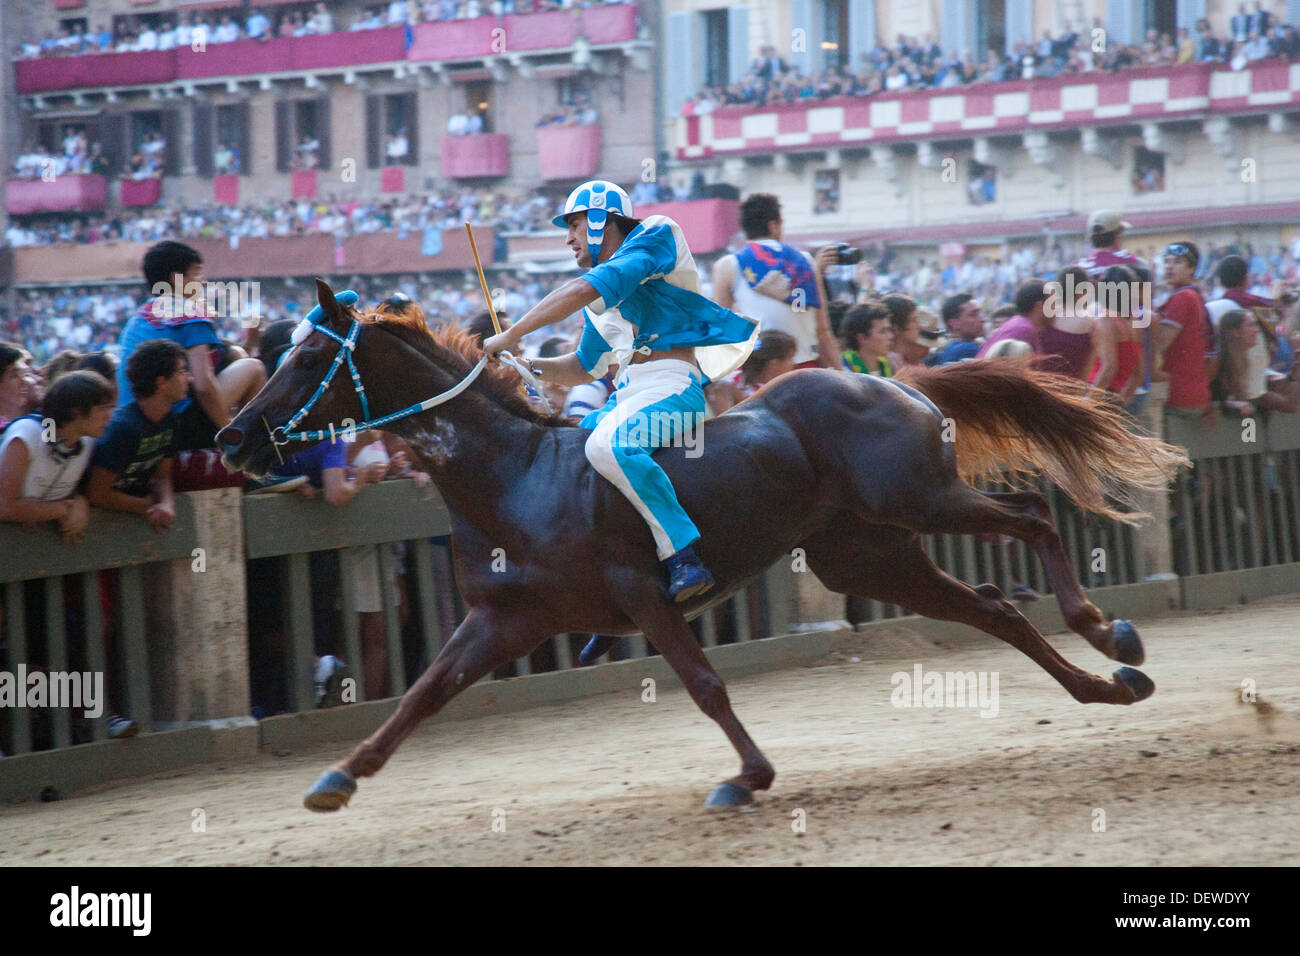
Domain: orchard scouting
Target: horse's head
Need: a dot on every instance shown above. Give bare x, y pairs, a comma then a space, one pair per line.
304, 381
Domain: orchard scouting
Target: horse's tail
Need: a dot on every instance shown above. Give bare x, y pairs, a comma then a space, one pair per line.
1012, 421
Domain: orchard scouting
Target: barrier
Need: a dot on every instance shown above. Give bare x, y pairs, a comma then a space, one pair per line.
194, 643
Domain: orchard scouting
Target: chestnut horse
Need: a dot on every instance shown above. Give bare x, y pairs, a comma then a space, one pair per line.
850, 468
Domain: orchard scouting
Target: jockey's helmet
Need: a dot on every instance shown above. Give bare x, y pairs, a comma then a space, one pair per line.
597, 199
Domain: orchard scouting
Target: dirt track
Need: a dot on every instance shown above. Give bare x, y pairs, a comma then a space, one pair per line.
1191, 776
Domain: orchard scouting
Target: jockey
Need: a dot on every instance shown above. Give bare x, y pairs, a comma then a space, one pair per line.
641, 298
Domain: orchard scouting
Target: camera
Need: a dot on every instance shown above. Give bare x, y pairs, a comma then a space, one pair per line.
847, 255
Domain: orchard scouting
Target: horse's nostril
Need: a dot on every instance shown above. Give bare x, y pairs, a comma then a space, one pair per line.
232, 437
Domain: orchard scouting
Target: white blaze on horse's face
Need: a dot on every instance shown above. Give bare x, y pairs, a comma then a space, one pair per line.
437, 444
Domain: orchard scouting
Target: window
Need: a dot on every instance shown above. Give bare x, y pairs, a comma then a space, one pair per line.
392, 130
716, 47
835, 34
981, 184
221, 142
152, 137
1148, 171
1162, 17
302, 135
826, 191
991, 27
478, 102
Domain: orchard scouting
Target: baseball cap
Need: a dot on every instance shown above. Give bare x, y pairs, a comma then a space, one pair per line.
1106, 220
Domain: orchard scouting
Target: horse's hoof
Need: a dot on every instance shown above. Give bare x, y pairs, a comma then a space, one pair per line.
333, 790
729, 795
596, 648
1139, 685
1126, 644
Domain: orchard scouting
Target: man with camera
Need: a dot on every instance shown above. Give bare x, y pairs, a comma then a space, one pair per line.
780, 286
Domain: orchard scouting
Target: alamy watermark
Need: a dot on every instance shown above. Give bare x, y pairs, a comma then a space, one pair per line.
946, 689
662, 429
240, 300
1132, 300
71, 689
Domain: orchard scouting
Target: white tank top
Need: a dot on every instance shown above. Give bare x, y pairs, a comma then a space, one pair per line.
776, 314
54, 472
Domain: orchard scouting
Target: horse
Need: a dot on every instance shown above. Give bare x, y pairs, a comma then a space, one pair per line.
850, 468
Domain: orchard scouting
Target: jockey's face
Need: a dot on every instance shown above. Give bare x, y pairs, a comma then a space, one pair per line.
577, 240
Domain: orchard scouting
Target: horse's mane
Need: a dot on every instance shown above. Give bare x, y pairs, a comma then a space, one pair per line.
458, 350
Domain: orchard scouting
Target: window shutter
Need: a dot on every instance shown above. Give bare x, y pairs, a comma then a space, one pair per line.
202, 129
862, 30
171, 130
245, 139
323, 131
801, 18
737, 43
284, 143
113, 140
374, 131
411, 120
682, 65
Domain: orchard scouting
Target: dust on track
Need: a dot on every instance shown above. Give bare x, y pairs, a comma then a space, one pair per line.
1191, 776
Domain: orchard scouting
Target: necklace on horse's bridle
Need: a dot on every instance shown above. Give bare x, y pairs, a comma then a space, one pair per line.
283, 434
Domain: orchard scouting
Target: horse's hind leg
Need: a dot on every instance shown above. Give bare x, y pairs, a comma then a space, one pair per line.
666, 628
485, 640
889, 564
960, 509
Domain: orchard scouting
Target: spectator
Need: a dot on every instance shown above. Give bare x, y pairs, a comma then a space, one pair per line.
773, 355
908, 349
397, 148
1185, 344
780, 286
1066, 340
964, 320
19, 383
1118, 365
131, 469
258, 26
868, 333
40, 469
177, 311
1028, 322
1253, 376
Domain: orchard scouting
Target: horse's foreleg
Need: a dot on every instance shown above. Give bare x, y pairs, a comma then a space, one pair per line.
484, 641
665, 628
890, 565
1025, 515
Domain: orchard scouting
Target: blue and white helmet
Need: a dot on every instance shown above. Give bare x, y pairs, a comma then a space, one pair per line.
597, 199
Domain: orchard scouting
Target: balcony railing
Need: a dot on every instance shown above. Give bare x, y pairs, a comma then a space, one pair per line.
989, 109
707, 224
62, 194
445, 40
474, 156
568, 152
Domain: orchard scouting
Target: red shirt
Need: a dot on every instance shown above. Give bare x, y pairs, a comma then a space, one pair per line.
1099, 260
1189, 387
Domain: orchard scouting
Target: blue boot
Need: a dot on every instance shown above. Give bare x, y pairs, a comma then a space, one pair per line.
596, 647
687, 575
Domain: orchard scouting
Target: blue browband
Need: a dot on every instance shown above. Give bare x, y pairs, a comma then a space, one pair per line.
284, 434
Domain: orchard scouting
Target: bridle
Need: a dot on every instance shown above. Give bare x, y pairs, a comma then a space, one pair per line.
284, 434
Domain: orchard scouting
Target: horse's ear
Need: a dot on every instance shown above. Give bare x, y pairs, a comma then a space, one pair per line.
329, 305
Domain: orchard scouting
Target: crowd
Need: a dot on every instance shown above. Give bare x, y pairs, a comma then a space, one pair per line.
133, 35
442, 209
921, 63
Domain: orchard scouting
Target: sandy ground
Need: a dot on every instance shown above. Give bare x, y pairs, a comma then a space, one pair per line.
1190, 776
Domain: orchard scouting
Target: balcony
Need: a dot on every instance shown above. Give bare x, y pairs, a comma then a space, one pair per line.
476, 156
523, 32
568, 152
707, 224
379, 253
50, 74
444, 40
64, 194
993, 109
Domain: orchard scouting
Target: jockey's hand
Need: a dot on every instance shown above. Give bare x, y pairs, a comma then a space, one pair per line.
507, 341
